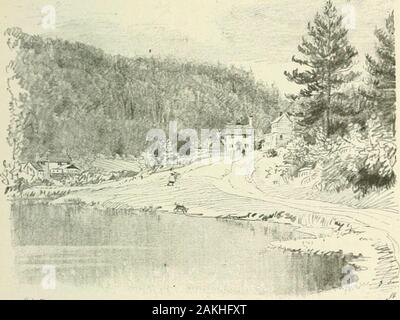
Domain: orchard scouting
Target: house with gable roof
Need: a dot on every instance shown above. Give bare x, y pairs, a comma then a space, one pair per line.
283, 129
50, 167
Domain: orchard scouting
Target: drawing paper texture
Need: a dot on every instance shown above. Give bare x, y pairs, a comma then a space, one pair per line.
199, 149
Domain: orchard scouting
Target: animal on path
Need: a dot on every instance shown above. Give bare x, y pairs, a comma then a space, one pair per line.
179, 208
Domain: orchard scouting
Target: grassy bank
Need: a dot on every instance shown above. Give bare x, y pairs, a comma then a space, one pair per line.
370, 235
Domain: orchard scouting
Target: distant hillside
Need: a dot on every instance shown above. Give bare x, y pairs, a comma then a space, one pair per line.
79, 100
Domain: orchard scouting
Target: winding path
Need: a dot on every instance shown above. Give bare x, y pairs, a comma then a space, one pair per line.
215, 190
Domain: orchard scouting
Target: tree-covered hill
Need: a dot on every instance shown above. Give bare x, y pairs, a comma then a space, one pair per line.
78, 100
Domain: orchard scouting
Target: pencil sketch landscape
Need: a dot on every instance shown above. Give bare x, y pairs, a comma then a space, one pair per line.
213, 149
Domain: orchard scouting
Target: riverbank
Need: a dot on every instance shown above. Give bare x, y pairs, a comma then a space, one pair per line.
164, 254
370, 235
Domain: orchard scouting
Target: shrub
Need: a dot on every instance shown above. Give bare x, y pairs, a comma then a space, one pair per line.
296, 153
271, 153
259, 144
362, 159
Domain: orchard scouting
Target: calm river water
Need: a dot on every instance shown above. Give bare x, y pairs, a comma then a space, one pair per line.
163, 254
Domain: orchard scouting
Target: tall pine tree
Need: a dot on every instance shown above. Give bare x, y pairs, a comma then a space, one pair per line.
383, 74
327, 59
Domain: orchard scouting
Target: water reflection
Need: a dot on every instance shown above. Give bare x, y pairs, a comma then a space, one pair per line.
164, 254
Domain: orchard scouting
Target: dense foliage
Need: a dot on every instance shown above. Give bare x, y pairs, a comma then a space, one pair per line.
350, 136
78, 100
382, 70
327, 59
362, 159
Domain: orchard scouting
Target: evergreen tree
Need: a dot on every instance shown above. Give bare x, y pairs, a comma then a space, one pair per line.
327, 58
383, 74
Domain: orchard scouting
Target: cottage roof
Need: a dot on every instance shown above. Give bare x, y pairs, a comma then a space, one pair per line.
71, 166
284, 115
36, 166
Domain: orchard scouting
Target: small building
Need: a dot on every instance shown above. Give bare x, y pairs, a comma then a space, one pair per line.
50, 168
283, 130
33, 170
61, 168
238, 139
71, 169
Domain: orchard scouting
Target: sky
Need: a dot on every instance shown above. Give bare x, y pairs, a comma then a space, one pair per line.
257, 35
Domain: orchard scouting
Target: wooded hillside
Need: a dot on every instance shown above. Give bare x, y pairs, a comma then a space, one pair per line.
78, 100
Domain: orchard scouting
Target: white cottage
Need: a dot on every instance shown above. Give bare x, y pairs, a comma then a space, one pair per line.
50, 168
33, 170
238, 139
